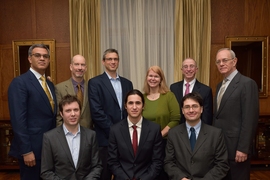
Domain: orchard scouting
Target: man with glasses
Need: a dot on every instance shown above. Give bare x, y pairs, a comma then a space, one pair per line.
32, 106
236, 112
194, 149
191, 84
106, 94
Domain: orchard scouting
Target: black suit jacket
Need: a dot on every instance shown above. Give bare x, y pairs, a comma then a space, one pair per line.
204, 91
31, 114
238, 114
105, 110
57, 163
208, 160
149, 157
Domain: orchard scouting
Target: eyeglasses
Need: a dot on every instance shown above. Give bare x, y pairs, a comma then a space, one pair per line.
110, 59
224, 61
194, 107
37, 55
190, 67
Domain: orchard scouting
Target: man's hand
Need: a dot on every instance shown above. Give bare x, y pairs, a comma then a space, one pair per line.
29, 159
240, 156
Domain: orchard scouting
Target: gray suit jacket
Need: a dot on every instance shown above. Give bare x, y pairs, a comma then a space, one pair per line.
238, 114
57, 163
209, 160
66, 87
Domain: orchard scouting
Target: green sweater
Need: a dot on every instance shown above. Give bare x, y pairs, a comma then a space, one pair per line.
165, 110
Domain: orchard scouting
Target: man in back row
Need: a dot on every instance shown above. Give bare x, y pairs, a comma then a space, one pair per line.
76, 85
106, 93
191, 84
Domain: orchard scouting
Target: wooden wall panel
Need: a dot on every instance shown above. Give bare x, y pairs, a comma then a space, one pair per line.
32, 19
238, 18
6, 74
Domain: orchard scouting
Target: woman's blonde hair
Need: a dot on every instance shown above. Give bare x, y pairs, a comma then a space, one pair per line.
163, 88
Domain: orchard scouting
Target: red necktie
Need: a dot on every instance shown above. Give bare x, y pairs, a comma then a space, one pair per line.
134, 139
187, 88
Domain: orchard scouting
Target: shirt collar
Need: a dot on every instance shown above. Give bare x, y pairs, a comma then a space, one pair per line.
138, 124
196, 127
191, 82
66, 131
117, 76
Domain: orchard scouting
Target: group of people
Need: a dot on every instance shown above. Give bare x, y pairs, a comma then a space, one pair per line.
105, 129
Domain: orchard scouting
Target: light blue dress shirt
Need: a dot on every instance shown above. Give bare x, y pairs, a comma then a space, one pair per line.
73, 141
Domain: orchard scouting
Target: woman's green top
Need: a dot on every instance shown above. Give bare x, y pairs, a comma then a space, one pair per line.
165, 110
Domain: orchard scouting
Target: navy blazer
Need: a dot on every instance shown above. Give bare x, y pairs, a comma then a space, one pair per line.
57, 162
204, 91
31, 114
148, 161
105, 110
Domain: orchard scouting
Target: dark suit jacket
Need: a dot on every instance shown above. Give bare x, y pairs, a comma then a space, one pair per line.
238, 114
57, 163
204, 91
31, 114
105, 110
209, 160
147, 163
65, 88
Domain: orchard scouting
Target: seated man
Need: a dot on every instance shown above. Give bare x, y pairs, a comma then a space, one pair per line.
195, 150
135, 144
70, 151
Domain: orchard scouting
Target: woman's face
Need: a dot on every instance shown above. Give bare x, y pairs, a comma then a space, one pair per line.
153, 79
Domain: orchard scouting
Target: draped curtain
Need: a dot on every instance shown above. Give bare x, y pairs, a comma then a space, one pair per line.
193, 36
145, 32
84, 20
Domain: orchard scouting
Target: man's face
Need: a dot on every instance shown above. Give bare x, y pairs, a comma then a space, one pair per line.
78, 67
225, 63
39, 60
71, 114
192, 110
189, 69
134, 107
111, 62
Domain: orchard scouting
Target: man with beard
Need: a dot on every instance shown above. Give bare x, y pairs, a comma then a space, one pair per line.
76, 85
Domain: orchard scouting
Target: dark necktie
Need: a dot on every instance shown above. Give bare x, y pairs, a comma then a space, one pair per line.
80, 94
192, 138
135, 139
187, 88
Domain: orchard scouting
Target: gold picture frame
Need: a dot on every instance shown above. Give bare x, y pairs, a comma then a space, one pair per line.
20, 56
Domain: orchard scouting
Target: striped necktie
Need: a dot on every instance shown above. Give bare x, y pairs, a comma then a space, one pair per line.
46, 89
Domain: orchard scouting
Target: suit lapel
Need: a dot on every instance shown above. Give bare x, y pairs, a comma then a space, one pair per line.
230, 89
83, 142
124, 129
144, 134
196, 87
109, 86
35, 83
64, 144
201, 138
185, 138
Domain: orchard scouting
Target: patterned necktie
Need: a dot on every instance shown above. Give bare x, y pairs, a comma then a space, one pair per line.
45, 88
192, 138
221, 92
80, 94
187, 88
135, 139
